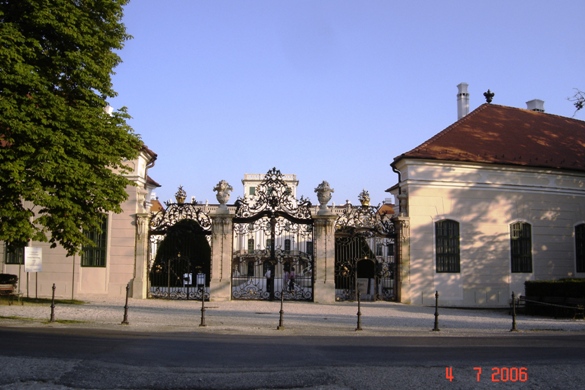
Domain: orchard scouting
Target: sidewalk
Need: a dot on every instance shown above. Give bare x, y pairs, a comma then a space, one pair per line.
261, 318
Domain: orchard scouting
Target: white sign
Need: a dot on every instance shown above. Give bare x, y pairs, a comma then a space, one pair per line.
33, 259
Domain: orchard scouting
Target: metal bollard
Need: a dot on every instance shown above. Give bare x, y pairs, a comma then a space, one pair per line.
513, 314
280, 321
125, 320
359, 313
436, 328
52, 319
202, 307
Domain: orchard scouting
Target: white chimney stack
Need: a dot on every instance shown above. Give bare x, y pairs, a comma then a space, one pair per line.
535, 105
462, 101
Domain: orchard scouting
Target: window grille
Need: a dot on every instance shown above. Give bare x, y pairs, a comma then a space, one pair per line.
521, 247
95, 256
580, 247
15, 256
447, 246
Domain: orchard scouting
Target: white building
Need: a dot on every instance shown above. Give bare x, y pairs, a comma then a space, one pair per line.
494, 200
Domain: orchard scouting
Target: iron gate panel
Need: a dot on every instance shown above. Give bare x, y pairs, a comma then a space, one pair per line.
291, 268
273, 244
179, 250
364, 253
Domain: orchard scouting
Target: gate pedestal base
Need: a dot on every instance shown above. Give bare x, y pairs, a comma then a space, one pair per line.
324, 292
220, 290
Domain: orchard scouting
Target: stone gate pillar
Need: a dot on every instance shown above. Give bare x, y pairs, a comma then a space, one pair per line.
403, 253
324, 252
222, 242
139, 285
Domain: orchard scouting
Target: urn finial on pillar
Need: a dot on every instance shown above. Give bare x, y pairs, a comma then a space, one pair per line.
223, 190
324, 192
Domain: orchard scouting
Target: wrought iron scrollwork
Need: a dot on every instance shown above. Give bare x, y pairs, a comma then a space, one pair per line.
273, 236
364, 250
368, 221
175, 212
274, 196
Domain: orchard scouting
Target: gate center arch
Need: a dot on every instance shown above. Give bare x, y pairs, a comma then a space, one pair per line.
273, 244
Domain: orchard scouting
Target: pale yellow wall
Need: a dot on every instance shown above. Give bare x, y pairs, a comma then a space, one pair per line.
72, 280
485, 201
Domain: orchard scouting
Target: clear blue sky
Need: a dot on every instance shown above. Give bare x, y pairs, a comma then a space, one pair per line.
329, 90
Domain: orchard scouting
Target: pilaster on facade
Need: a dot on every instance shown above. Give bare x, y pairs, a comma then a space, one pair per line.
221, 256
324, 252
139, 285
403, 258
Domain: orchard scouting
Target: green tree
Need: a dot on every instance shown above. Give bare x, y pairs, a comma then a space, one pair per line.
61, 154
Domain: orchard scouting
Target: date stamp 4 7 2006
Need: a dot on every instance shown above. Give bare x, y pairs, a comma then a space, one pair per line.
498, 374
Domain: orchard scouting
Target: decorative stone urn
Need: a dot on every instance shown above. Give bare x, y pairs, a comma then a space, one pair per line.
223, 190
364, 198
180, 195
324, 192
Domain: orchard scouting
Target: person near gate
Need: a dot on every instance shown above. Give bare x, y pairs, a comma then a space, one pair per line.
285, 276
291, 279
269, 280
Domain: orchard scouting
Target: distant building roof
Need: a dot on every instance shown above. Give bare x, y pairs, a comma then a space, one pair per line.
155, 206
511, 136
150, 181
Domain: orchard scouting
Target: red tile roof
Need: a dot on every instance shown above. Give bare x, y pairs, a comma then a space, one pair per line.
497, 134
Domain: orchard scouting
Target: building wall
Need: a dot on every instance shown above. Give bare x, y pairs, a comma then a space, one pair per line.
70, 278
485, 200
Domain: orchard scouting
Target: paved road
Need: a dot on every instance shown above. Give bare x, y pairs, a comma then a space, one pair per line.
50, 358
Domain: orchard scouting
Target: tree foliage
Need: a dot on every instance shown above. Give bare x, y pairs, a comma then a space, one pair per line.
61, 154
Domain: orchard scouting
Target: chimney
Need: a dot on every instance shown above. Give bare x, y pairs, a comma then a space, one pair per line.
535, 105
462, 101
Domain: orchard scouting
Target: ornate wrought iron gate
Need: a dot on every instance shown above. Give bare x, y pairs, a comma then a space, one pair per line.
364, 253
179, 251
273, 244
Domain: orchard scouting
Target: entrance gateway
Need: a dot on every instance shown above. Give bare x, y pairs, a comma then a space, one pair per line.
281, 247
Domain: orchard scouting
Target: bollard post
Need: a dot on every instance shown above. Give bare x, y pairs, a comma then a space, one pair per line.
202, 307
513, 314
280, 321
52, 319
359, 313
125, 320
436, 328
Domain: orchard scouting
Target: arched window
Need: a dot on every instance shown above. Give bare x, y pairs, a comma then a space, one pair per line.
521, 247
447, 246
580, 247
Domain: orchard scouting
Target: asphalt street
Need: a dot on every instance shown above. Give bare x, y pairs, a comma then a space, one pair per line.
163, 347
104, 359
